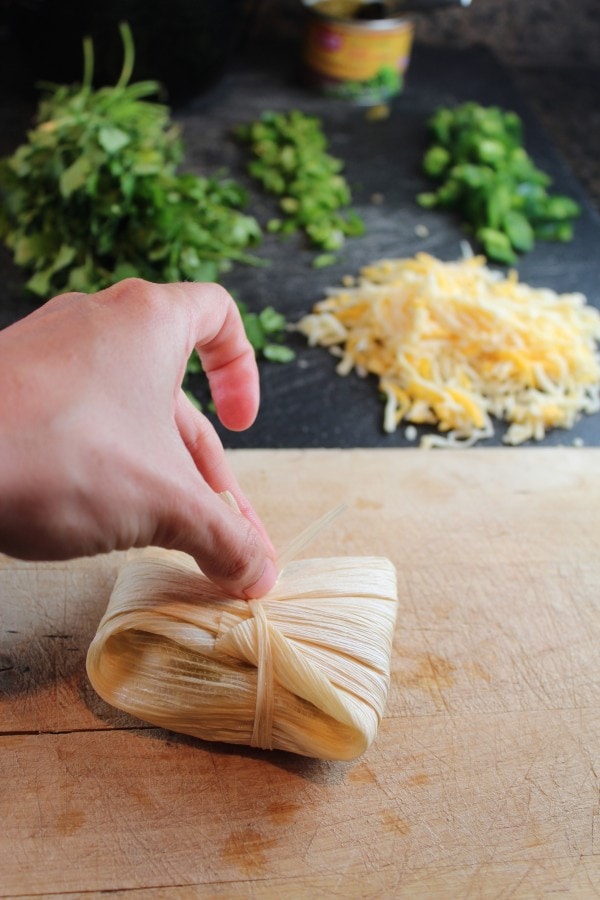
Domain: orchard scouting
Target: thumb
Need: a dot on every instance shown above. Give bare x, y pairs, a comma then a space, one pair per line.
226, 545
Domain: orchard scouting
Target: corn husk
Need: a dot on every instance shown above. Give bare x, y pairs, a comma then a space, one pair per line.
305, 669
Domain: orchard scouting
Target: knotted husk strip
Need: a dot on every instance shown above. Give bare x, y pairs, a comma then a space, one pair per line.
305, 669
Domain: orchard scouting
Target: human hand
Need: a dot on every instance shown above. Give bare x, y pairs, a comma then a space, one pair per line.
100, 449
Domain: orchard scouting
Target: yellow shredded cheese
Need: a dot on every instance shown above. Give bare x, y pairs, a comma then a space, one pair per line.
456, 343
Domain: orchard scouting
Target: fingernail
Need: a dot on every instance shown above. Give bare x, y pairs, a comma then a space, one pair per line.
264, 583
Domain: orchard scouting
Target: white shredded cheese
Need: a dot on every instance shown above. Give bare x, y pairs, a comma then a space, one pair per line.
454, 344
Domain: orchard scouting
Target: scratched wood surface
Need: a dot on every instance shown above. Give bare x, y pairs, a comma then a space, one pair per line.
483, 780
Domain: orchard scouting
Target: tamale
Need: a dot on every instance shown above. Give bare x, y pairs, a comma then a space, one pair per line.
305, 669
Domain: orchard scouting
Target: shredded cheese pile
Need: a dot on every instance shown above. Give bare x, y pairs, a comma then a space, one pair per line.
455, 343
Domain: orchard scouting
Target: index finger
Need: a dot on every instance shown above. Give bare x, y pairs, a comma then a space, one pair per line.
211, 322
227, 356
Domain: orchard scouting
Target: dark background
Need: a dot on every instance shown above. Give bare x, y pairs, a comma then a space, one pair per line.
304, 403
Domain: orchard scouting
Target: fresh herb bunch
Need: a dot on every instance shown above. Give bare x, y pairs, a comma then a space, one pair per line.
290, 159
94, 195
489, 178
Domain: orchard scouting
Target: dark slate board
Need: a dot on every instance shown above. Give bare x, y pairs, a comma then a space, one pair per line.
304, 403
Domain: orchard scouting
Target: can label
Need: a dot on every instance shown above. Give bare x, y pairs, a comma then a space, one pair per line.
359, 63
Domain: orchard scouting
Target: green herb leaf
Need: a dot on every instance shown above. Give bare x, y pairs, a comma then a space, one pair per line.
73, 178
112, 139
278, 353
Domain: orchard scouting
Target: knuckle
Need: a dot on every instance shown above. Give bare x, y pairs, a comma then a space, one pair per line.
218, 290
149, 302
145, 293
222, 298
132, 285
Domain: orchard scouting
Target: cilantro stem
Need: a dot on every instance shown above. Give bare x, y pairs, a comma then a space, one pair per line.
128, 55
88, 63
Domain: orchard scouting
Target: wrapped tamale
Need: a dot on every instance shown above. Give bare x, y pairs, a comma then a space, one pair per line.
305, 669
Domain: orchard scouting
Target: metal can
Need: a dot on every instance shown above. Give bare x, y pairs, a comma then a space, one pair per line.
357, 59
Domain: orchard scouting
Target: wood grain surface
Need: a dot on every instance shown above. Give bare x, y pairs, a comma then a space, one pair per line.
483, 780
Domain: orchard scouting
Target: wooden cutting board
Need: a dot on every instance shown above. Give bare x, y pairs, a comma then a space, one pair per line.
483, 780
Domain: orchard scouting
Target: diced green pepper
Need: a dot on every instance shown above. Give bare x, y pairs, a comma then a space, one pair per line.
518, 231
485, 173
436, 161
496, 245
